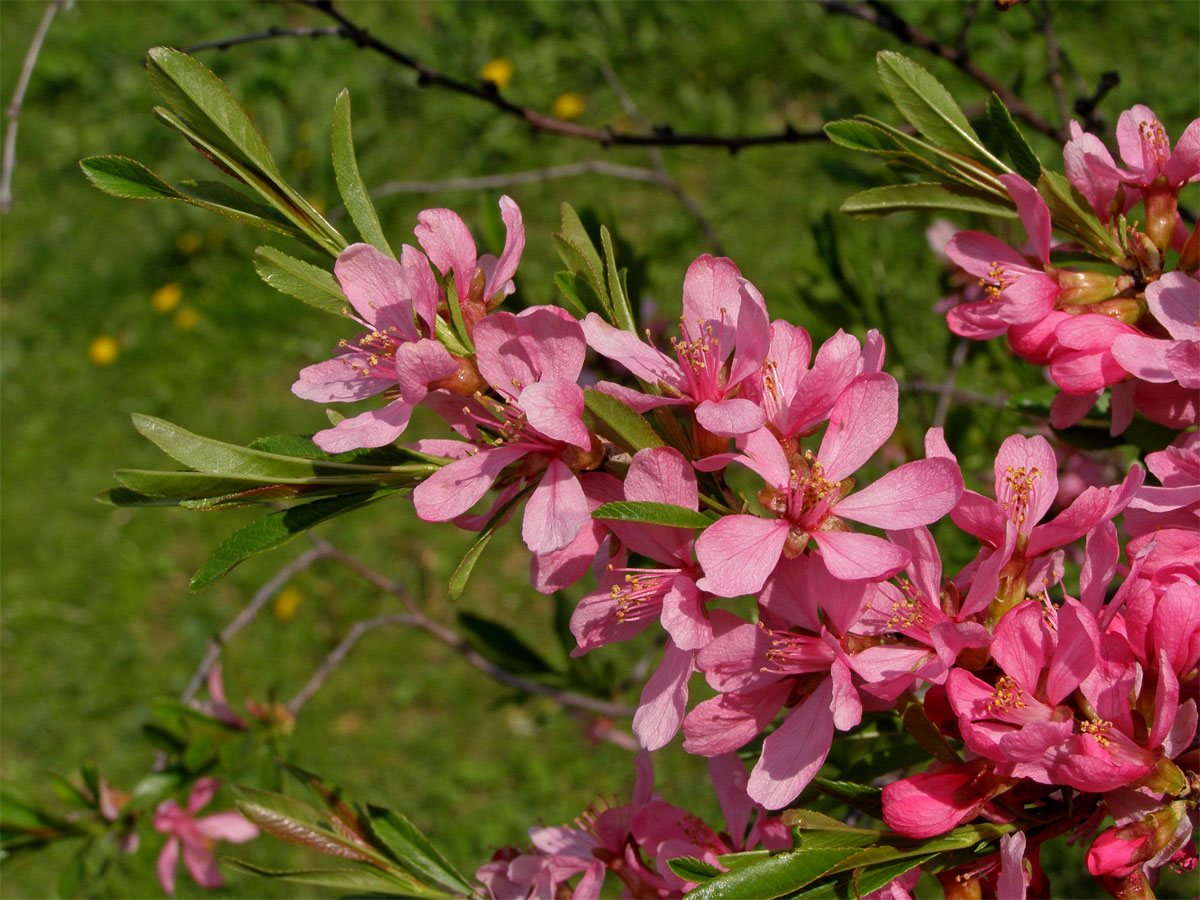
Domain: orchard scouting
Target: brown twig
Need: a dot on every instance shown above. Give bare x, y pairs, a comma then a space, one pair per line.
488, 92
948, 387
338, 654
960, 395
246, 616
270, 34
417, 618
882, 16
656, 158
13, 111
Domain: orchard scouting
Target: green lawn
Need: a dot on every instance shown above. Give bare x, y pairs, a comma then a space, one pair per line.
97, 617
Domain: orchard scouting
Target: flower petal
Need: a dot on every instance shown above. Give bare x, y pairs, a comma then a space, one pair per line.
556, 512
737, 554
664, 699
916, 493
453, 489
794, 752
444, 236
863, 417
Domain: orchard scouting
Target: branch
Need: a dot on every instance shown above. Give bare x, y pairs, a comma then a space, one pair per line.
487, 92
270, 34
948, 387
959, 395
13, 112
338, 654
246, 616
875, 12
417, 618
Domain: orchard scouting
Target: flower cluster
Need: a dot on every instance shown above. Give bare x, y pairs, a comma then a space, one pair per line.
1130, 328
815, 594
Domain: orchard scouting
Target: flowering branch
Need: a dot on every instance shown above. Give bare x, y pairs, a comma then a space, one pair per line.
13, 112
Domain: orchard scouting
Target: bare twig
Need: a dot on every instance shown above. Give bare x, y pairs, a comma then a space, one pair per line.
969, 13
418, 619
1085, 107
660, 164
13, 112
877, 13
944, 396
270, 34
1045, 25
246, 616
488, 92
338, 654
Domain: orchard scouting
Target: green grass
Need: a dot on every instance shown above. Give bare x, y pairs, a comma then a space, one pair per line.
97, 616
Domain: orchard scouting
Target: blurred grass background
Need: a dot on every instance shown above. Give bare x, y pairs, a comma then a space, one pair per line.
97, 617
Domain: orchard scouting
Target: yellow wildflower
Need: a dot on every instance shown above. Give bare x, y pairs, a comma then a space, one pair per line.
499, 72
569, 106
186, 318
103, 350
286, 603
167, 297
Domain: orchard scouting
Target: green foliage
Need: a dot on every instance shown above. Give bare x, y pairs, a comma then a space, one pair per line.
651, 514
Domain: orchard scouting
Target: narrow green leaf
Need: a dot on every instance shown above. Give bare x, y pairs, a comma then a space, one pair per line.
362, 880
928, 106
445, 334
566, 284
349, 181
501, 645
924, 195
775, 876
129, 179
275, 530
622, 311
618, 422
580, 256
462, 574
304, 281
456, 316
1013, 142
652, 514
415, 852
123, 497
864, 797
860, 882
1072, 212
691, 869
857, 134
302, 446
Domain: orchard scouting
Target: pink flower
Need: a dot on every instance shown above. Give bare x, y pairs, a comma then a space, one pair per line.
197, 836
397, 302
1020, 291
810, 497
724, 340
943, 798
532, 361
480, 283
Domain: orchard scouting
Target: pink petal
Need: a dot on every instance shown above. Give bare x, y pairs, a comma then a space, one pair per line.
444, 236
916, 493
844, 704
374, 428
664, 699
595, 624
662, 475
1085, 513
1129, 139
1035, 216
1023, 644
419, 364
1101, 552
426, 292
514, 244
338, 380
513, 352
202, 793
1184, 362
556, 512
1175, 300
202, 865
453, 489
683, 616
1143, 357
1067, 409
168, 861
554, 407
730, 418
711, 293
835, 367
753, 338
1036, 459
1028, 299
645, 362
1011, 883
1184, 164
862, 419
737, 554
227, 826
1075, 656
728, 776
636, 400
977, 321
978, 254
728, 721
375, 285
794, 752
859, 557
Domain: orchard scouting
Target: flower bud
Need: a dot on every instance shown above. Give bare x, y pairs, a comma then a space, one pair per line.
465, 381
1164, 778
1089, 287
1123, 309
707, 443
1161, 205
1120, 851
1189, 257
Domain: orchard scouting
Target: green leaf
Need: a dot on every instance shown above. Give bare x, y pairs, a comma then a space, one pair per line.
123, 497
219, 458
1072, 211
568, 285
691, 869
622, 311
275, 530
864, 797
925, 195
580, 256
502, 646
775, 876
456, 316
304, 281
928, 106
360, 881
350, 184
857, 134
129, 179
412, 850
1013, 142
462, 574
445, 333
861, 881
652, 514
618, 422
